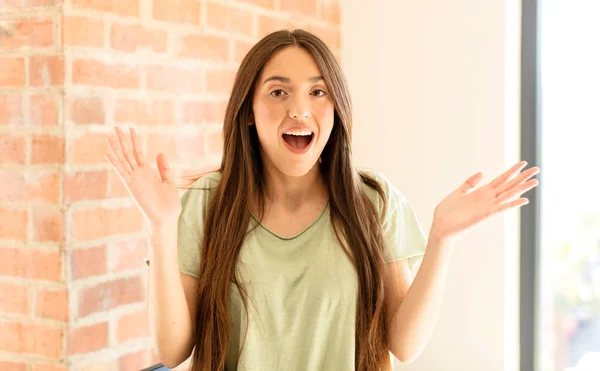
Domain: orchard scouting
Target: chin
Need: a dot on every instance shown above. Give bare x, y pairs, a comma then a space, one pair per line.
297, 170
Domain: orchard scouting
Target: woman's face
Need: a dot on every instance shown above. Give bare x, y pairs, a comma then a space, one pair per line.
293, 112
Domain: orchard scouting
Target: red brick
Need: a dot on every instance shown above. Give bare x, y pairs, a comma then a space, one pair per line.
12, 148
52, 304
331, 37
13, 224
268, 24
14, 298
27, 32
43, 110
215, 143
199, 112
144, 112
229, 19
190, 146
89, 224
88, 339
173, 78
29, 187
129, 38
48, 225
83, 31
36, 339
108, 295
129, 254
330, 11
88, 149
240, 49
204, 47
112, 364
13, 71
30, 263
132, 326
97, 73
88, 262
176, 148
177, 11
47, 149
42, 367
268, 4
133, 361
22, 4
116, 189
46, 70
87, 110
119, 7
13, 366
219, 81
86, 185
304, 7
11, 109
156, 144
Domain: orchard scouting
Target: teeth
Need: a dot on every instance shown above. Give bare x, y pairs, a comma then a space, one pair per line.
299, 133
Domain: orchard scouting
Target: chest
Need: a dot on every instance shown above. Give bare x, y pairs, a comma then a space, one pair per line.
288, 223
302, 301
290, 277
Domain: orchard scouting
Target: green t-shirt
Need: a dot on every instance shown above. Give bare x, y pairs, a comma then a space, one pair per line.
303, 289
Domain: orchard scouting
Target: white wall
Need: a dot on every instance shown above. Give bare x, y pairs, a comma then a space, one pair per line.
435, 87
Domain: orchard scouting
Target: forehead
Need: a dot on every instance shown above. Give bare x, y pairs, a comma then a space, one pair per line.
293, 62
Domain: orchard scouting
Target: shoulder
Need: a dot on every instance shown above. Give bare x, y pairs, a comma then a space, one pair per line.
392, 194
196, 196
394, 199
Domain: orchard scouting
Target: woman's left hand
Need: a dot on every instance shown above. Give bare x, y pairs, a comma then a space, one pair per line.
467, 207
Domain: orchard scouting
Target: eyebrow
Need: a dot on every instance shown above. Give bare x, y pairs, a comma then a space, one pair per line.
287, 80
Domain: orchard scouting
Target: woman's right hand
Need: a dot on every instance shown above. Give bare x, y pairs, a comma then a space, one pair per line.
156, 197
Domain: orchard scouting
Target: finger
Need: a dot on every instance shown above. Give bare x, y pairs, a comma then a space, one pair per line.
125, 143
116, 151
166, 173
517, 191
470, 183
137, 152
524, 176
508, 174
509, 205
116, 165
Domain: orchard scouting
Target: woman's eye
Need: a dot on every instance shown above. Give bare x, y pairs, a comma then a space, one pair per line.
278, 93
318, 92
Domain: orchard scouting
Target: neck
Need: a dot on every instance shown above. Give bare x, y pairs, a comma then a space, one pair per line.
290, 192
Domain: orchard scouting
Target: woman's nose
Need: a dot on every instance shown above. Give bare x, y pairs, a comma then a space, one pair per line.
299, 115
298, 109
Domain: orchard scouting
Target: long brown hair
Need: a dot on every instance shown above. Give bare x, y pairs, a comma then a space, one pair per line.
355, 220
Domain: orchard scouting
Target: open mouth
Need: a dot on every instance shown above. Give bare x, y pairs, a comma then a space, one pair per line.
298, 141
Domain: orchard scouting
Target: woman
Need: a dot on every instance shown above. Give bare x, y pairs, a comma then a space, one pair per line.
288, 257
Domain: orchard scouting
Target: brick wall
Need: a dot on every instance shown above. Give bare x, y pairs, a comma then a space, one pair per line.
72, 279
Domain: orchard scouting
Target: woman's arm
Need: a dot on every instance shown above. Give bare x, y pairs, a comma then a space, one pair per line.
171, 300
413, 315
413, 308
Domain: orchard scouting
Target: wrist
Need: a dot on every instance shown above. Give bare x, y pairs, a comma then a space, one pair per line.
439, 239
165, 227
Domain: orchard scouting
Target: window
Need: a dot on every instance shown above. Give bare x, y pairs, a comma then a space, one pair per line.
560, 267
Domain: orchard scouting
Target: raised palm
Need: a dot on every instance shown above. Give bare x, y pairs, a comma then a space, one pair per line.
467, 207
155, 196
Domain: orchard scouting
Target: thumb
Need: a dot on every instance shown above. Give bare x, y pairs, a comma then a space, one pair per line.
166, 173
470, 183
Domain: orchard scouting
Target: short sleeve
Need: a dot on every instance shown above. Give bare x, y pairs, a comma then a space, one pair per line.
403, 235
188, 248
